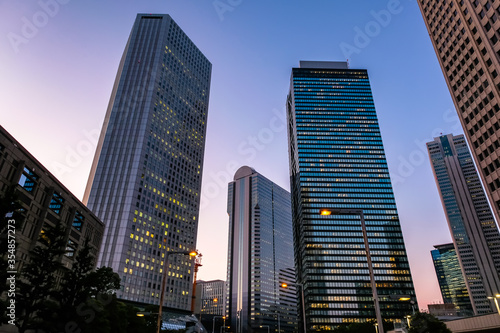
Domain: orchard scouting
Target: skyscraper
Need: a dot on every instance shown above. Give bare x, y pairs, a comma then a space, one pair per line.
450, 278
211, 297
473, 229
465, 35
146, 176
260, 255
337, 161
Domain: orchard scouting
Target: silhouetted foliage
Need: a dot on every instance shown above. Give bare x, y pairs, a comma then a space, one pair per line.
35, 309
427, 323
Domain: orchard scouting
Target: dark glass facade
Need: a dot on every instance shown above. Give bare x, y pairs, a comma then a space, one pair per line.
145, 180
337, 161
450, 278
474, 232
260, 255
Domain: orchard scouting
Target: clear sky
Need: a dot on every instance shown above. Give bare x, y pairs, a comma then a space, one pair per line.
59, 58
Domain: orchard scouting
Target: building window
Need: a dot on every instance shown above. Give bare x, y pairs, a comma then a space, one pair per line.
70, 249
78, 221
56, 203
28, 180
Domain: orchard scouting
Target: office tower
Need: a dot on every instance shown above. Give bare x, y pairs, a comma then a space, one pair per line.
465, 36
44, 202
473, 229
450, 278
260, 253
211, 297
337, 161
146, 176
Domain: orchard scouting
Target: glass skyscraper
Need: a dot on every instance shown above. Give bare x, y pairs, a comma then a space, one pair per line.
450, 278
260, 255
337, 161
474, 231
146, 176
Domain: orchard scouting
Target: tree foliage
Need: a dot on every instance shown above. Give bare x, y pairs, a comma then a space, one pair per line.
427, 323
35, 307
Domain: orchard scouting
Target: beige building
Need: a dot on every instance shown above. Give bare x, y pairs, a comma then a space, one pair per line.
44, 203
466, 35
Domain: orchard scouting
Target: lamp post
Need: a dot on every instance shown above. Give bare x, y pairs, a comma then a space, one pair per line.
326, 212
301, 286
164, 280
224, 327
262, 326
213, 325
405, 298
495, 299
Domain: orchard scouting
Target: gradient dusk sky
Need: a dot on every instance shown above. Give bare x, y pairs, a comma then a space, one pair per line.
57, 71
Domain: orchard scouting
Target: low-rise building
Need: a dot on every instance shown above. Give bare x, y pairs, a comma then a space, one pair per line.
44, 202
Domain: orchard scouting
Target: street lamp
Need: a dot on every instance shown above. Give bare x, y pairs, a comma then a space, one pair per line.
495, 298
224, 327
164, 280
213, 325
262, 326
326, 212
142, 314
301, 286
405, 298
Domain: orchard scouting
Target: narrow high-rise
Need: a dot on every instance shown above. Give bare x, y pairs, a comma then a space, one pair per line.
450, 278
474, 232
465, 35
337, 161
145, 180
260, 255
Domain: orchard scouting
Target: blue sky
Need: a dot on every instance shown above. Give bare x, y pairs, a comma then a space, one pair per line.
59, 60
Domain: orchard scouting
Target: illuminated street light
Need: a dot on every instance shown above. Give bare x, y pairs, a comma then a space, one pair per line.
164, 280
302, 301
213, 325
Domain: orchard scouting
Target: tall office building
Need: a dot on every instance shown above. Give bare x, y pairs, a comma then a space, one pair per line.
473, 229
146, 176
450, 278
210, 297
260, 255
465, 34
337, 161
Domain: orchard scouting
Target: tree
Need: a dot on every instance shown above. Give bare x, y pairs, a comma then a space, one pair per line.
426, 323
35, 308
84, 291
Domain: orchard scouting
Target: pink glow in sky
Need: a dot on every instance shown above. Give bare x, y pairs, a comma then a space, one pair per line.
56, 79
